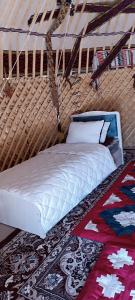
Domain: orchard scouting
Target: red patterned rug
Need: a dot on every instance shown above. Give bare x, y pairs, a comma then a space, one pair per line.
113, 218
113, 276
54, 268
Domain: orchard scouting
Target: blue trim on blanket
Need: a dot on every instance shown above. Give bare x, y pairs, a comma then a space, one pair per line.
127, 190
108, 217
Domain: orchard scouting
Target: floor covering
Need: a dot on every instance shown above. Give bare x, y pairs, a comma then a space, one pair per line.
57, 267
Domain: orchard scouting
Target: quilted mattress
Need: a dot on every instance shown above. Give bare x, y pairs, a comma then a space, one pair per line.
37, 193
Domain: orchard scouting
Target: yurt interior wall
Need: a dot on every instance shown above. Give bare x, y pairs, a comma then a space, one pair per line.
28, 114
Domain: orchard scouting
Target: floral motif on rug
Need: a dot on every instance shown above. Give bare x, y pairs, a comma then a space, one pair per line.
113, 218
64, 276
114, 277
54, 268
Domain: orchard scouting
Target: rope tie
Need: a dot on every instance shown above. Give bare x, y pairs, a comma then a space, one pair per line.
51, 67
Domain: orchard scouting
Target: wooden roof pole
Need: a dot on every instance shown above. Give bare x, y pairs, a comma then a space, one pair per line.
51, 67
35, 43
112, 55
94, 24
131, 37
89, 8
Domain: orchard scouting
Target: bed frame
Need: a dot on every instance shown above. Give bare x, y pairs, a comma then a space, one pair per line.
114, 132
28, 217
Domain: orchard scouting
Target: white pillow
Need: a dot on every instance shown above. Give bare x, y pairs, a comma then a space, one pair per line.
84, 132
104, 132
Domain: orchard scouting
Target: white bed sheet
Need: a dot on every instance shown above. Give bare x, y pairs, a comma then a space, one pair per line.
36, 194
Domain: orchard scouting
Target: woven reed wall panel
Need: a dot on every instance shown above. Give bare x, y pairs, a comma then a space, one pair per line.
28, 120
24, 121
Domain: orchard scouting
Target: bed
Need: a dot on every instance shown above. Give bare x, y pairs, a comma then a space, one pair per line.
114, 135
37, 193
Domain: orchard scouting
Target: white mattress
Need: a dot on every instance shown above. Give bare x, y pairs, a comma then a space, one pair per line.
36, 194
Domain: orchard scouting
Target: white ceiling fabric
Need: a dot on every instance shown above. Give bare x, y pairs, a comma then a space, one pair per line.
16, 13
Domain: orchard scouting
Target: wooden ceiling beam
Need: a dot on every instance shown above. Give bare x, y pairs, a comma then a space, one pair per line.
111, 13
113, 53
102, 8
89, 8
93, 25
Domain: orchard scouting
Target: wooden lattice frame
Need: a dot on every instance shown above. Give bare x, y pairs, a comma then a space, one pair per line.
28, 121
